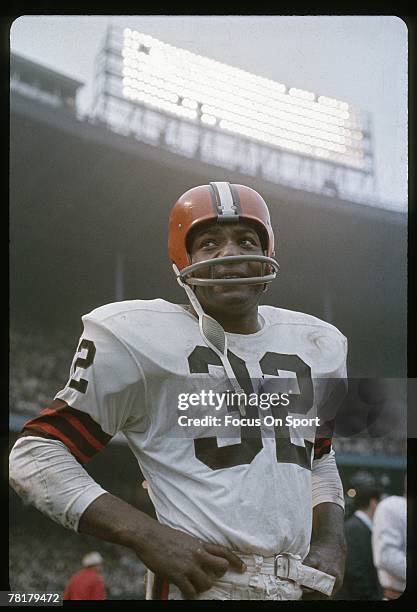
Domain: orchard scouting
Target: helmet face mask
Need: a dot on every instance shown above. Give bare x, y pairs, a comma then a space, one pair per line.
188, 273
219, 203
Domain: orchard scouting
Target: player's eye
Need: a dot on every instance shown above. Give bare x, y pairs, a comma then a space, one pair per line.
248, 241
207, 243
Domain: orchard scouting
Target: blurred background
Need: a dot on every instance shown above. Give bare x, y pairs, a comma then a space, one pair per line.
112, 118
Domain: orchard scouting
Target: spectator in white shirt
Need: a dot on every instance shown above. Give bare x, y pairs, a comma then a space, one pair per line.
389, 544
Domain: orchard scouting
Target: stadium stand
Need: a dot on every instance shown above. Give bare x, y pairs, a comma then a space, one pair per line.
39, 564
39, 366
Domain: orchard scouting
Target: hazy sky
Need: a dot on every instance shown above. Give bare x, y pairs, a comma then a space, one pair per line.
360, 60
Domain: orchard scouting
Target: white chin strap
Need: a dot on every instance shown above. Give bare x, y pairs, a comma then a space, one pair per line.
213, 335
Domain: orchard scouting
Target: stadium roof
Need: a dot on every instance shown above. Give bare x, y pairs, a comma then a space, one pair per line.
47, 77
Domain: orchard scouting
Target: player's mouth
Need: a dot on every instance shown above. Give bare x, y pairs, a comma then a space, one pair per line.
236, 286
231, 276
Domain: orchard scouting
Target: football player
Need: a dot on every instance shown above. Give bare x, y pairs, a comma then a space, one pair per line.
245, 514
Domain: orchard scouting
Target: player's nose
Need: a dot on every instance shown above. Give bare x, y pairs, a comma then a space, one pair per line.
229, 248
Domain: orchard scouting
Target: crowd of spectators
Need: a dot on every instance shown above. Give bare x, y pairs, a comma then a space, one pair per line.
376, 538
42, 557
363, 445
39, 367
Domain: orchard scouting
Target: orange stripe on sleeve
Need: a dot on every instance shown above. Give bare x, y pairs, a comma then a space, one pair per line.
55, 432
76, 424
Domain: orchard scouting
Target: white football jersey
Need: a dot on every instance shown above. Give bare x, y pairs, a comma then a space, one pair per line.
250, 491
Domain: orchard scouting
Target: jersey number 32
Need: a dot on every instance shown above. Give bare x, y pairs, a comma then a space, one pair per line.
244, 452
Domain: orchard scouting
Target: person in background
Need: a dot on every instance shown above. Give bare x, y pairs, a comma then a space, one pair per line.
361, 580
88, 582
389, 544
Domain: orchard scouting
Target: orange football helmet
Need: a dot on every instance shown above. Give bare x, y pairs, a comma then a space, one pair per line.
224, 203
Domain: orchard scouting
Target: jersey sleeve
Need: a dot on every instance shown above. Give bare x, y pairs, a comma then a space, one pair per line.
105, 393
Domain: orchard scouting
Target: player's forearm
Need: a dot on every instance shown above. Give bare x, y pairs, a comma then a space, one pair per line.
328, 524
328, 545
112, 519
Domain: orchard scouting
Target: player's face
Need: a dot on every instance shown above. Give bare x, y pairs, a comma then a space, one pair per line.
218, 240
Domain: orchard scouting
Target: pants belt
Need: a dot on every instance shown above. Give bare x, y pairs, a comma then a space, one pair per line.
290, 567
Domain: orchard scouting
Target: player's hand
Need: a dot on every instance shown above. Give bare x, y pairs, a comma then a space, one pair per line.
329, 557
187, 562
